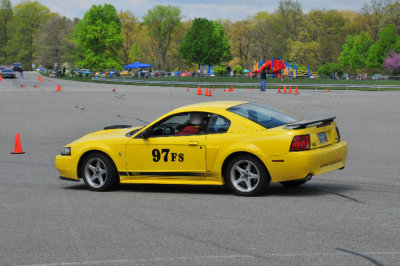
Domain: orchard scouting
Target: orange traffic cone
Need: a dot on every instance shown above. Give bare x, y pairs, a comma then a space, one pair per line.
284, 89
279, 89
17, 147
231, 89
328, 90
296, 91
0, 78
187, 89
40, 78
251, 90
58, 88
290, 90
209, 92
22, 85
199, 91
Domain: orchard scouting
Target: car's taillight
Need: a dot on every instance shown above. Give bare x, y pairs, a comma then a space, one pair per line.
338, 134
300, 143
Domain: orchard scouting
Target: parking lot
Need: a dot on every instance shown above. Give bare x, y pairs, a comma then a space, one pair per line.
349, 217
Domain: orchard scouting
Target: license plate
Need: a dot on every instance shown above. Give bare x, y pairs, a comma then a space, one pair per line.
322, 137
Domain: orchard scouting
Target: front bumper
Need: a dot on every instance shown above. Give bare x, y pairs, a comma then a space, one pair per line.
67, 167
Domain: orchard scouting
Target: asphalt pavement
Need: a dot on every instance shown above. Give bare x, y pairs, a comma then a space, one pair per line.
349, 217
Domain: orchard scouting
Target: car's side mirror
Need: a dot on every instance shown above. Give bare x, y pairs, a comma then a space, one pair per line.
147, 133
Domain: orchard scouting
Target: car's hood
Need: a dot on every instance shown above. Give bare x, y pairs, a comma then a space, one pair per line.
108, 133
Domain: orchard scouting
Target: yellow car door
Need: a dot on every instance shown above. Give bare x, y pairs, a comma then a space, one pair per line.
167, 157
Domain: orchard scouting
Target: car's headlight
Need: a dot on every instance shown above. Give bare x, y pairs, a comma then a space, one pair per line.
66, 151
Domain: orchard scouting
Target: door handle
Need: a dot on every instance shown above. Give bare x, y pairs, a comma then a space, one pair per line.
193, 143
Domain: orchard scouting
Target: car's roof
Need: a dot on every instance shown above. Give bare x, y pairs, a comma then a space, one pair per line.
217, 105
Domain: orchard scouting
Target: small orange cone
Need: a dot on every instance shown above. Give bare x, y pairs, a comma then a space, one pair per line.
40, 78
328, 90
290, 90
187, 89
251, 90
22, 85
284, 89
0, 78
296, 91
231, 89
17, 147
279, 89
199, 91
209, 92
58, 88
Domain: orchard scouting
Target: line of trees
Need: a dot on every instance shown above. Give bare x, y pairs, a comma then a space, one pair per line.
104, 38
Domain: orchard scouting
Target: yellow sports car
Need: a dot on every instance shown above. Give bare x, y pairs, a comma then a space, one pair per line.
239, 144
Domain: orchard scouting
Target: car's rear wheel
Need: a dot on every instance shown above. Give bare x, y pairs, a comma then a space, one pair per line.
246, 176
99, 172
294, 183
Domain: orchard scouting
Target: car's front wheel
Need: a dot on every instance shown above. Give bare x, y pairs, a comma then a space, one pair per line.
246, 176
99, 172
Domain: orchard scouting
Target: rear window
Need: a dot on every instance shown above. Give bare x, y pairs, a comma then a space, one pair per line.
265, 116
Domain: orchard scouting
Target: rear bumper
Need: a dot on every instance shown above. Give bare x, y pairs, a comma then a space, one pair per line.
64, 165
298, 165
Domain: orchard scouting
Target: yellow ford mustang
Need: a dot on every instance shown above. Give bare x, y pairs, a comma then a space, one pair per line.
243, 145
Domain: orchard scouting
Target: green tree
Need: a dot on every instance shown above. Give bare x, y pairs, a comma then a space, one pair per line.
205, 43
287, 24
355, 51
129, 29
241, 38
388, 40
330, 70
28, 15
99, 37
162, 21
6, 15
50, 42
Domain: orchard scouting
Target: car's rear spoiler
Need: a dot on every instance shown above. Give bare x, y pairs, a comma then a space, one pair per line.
308, 123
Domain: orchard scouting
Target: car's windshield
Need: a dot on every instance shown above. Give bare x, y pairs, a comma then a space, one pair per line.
262, 115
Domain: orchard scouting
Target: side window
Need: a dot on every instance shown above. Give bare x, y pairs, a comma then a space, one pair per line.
170, 125
219, 124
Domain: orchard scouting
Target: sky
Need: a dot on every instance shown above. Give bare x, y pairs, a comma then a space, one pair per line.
210, 9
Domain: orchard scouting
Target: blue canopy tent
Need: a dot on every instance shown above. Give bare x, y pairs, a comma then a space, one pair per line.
137, 65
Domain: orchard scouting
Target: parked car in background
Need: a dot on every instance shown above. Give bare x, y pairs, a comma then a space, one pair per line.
8, 73
160, 73
379, 77
2, 68
16, 66
186, 74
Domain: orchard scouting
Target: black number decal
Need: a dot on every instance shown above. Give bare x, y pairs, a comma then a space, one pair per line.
156, 155
165, 152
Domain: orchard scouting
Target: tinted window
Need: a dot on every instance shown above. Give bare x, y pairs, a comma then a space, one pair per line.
219, 124
262, 115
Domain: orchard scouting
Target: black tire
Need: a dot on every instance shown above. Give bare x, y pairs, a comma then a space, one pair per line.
99, 172
245, 175
294, 183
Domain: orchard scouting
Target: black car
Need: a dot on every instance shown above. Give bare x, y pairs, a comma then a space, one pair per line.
16, 67
8, 73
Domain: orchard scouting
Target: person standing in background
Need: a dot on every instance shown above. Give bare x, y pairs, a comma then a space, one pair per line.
263, 80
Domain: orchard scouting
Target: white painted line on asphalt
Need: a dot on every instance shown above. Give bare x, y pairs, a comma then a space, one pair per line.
209, 258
